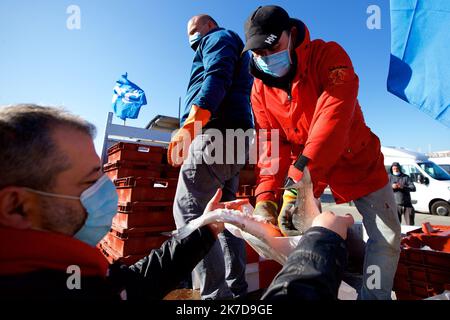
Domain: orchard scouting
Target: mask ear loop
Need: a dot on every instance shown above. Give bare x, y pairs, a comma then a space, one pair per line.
289, 49
53, 195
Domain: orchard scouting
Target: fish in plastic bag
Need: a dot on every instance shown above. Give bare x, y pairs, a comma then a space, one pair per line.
265, 238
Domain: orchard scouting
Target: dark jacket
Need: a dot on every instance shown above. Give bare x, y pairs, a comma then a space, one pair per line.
42, 274
220, 81
314, 270
402, 195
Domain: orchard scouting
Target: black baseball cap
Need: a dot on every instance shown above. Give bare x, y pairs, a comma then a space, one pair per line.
264, 27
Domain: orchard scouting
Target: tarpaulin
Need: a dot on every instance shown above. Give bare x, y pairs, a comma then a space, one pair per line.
128, 98
419, 70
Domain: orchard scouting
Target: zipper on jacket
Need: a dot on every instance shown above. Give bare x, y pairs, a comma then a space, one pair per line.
289, 92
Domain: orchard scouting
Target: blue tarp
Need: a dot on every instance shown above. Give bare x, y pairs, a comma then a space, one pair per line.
419, 70
128, 98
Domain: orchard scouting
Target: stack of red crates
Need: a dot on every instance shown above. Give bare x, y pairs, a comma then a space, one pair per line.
423, 273
247, 184
146, 186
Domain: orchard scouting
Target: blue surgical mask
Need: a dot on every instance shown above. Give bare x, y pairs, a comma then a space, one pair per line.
194, 40
277, 64
396, 173
100, 202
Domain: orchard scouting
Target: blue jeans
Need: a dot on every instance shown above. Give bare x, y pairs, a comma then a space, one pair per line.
379, 212
222, 271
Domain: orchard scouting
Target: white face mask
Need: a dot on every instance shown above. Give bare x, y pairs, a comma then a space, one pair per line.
194, 40
277, 64
100, 202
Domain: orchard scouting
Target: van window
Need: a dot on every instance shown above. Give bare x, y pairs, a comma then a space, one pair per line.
434, 170
446, 167
411, 170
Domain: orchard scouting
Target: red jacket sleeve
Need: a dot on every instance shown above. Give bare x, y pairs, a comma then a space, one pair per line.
329, 131
273, 152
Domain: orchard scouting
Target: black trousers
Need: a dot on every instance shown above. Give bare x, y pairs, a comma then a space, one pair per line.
407, 212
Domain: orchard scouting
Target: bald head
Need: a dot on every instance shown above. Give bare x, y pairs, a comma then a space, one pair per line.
202, 23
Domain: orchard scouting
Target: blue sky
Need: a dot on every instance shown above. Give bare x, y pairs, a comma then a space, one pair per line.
41, 61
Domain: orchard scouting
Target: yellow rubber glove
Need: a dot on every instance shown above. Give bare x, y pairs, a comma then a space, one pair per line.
180, 142
287, 210
268, 210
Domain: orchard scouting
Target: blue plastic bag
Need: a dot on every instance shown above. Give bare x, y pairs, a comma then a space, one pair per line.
419, 70
128, 98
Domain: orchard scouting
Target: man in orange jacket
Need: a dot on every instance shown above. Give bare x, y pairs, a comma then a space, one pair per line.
308, 91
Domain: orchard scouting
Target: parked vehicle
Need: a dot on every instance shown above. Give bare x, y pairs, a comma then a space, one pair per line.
431, 181
443, 162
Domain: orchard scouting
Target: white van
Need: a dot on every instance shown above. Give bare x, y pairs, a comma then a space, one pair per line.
443, 162
431, 181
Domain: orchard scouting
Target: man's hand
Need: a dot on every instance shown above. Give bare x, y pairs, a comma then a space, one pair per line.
180, 142
396, 185
267, 210
287, 210
338, 224
215, 203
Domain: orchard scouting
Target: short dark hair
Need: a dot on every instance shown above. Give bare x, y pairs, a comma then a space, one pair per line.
29, 156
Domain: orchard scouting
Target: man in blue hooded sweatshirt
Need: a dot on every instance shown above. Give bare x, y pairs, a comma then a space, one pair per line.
217, 100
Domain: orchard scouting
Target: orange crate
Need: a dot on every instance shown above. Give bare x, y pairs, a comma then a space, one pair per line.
114, 257
246, 191
423, 273
128, 233
247, 175
126, 168
133, 189
252, 255
144, 214
135, 152
134, 245
268, 269
167, 171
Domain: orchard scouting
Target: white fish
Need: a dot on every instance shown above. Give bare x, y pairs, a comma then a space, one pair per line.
306, 206
265, 238
244, 221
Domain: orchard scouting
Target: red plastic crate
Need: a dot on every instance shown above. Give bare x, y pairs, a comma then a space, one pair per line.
441, 231
134, 245
268, 269
126, 168
252, 256
247, 175
167, 171
142, 232
246, 191
145, 189
114, 257
423, 273
135, 152
144, 214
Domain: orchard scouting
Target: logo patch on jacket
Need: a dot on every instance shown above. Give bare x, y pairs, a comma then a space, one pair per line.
338, 74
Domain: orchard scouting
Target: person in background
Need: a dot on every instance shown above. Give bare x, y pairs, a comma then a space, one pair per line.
217, 100
307, 90
402, 186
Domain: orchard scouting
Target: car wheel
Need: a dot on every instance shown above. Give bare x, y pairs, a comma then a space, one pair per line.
440, 208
